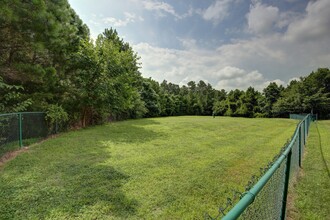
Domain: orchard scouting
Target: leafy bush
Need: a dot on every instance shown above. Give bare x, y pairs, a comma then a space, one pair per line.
56, 116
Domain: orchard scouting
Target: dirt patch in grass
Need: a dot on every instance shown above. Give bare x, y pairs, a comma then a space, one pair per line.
292, 212
12, 154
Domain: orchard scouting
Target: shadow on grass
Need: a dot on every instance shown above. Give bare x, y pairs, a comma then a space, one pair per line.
143, 121
53, 183
321, 150
134, 132
72, 190
91, 187
69, 176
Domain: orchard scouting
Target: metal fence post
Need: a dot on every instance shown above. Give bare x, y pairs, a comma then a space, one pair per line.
299, 145
309, 124
56, 127
304, 133
306, 130
20, 129
286, 185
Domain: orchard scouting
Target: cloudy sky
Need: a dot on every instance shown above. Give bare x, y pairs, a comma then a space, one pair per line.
228, 43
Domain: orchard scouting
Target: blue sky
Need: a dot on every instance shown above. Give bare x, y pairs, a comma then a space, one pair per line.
228, 43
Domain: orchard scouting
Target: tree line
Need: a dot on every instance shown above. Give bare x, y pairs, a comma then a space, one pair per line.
48, 62
309, 94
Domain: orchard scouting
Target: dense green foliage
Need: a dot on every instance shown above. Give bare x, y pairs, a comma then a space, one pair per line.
47, 58
130, 169
309, 94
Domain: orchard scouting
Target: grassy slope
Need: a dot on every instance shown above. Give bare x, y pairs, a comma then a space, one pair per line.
312, 193
165, 168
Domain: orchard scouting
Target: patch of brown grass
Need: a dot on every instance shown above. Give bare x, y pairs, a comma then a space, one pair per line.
11, 155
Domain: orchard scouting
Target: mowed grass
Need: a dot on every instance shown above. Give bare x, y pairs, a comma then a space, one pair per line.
160, 168
312, 193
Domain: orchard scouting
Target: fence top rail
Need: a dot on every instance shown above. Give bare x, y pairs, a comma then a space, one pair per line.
17, 113
250, 195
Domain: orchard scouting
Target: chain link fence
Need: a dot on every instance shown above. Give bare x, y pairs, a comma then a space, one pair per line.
21, 129
265, 195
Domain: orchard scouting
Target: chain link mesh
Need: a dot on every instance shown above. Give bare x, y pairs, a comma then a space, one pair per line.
295, 158
271, 193
269, 202
34, 127
30, 126
9, 133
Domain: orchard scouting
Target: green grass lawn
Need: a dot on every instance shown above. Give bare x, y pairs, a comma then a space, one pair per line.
161, 168
312, 193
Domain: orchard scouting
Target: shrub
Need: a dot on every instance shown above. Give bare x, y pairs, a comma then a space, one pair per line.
56, 116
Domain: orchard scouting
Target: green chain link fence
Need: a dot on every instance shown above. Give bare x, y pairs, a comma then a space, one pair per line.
265, 195
21, 129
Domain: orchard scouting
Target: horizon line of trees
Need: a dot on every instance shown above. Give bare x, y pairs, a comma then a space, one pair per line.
48, 62
309, 94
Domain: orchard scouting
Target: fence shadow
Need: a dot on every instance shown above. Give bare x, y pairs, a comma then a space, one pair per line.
321, 150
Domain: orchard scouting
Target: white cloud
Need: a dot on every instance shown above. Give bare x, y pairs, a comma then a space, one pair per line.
159, 7
266, 19
171, 64
217, 12
262, 18
189, 13
236, 78
315, 26
277, 81
254, 52
302, 45
129, 18
286, 18
182, 66
188, 43
163, 8
230, 72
